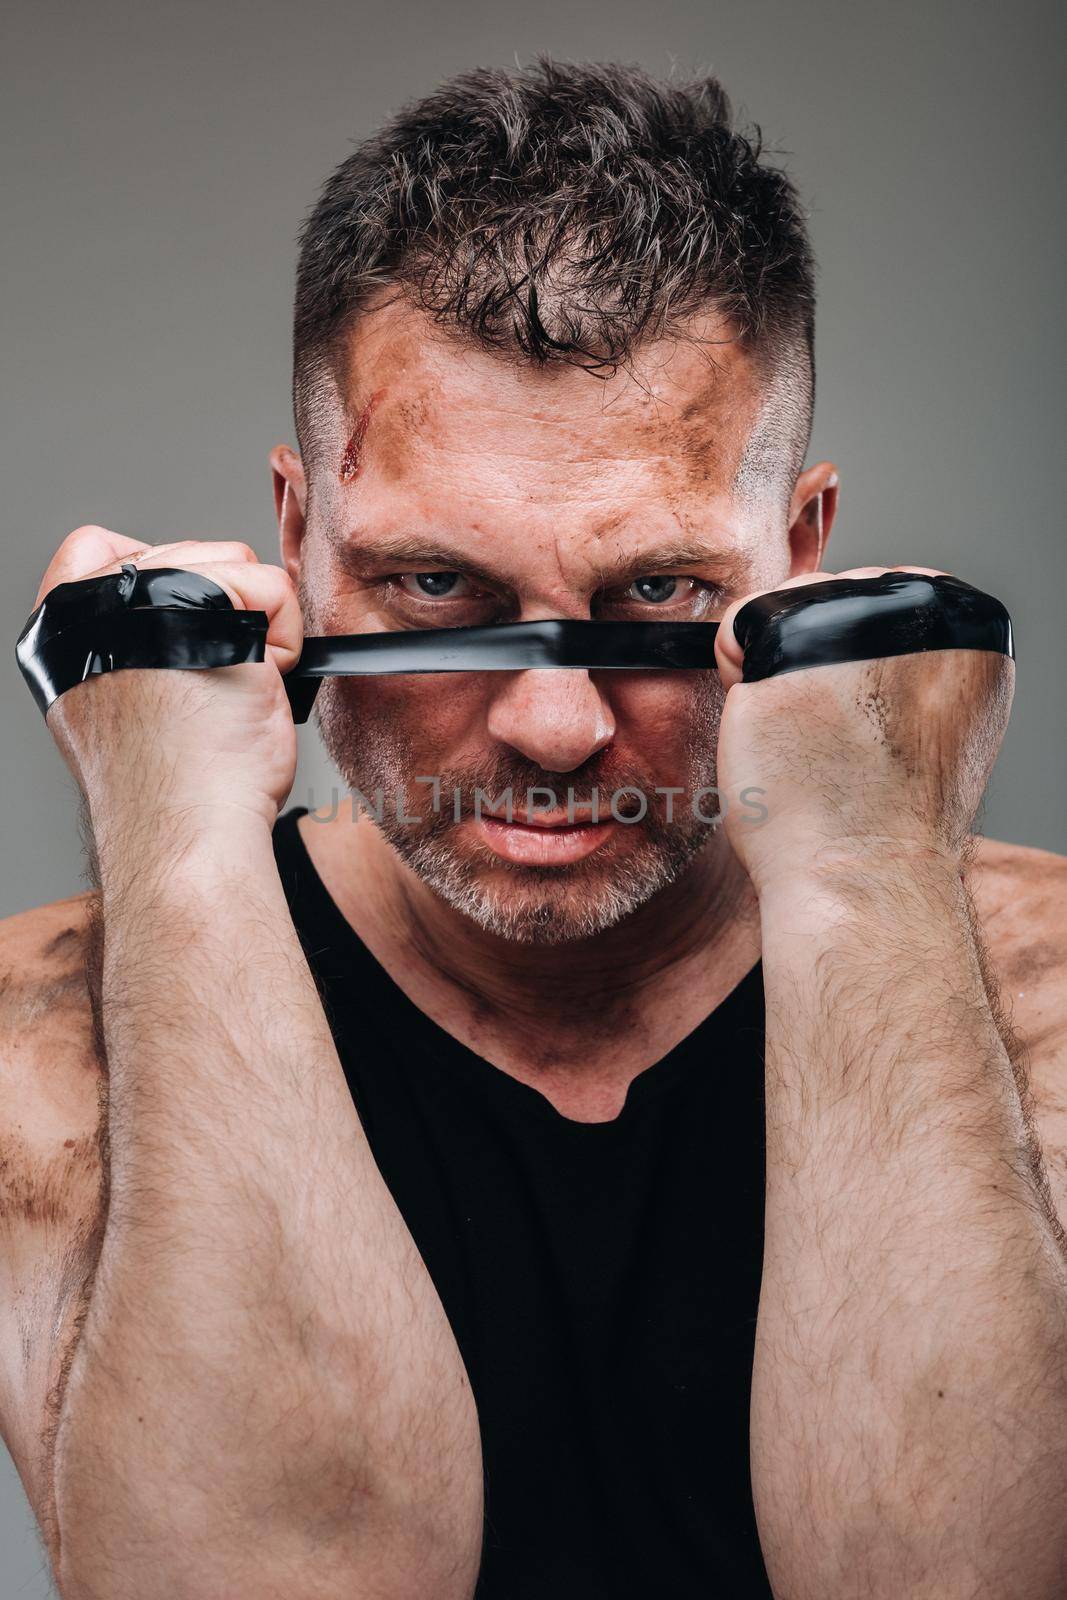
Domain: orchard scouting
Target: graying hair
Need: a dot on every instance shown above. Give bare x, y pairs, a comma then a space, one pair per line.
561, 212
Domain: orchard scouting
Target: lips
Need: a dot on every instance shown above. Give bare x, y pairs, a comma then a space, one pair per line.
578, 816
547, 839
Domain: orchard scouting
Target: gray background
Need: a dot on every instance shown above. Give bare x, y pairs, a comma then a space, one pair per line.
158, 160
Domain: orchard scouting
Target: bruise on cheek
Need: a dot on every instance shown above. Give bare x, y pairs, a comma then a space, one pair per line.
352, 458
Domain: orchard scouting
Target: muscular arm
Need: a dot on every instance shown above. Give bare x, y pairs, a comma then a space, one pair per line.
265, 1398
910, 1389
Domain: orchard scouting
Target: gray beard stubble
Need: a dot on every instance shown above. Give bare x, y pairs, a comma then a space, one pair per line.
539, 905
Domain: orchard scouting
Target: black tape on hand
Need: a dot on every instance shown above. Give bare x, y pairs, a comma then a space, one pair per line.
161, 617
863, 619
164, 617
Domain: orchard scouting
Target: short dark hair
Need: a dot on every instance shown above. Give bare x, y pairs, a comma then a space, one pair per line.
562, 212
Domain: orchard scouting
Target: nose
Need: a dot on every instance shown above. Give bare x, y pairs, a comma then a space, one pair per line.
555, 718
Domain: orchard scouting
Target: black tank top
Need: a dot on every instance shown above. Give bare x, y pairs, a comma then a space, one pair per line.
601, 1279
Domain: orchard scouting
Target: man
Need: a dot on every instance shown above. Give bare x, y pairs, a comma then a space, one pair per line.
393, 1223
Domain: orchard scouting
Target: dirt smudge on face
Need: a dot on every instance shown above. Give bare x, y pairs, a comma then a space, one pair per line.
704, 434
411, 427
608, 525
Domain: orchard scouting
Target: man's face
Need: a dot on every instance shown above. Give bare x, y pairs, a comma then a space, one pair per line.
458, 488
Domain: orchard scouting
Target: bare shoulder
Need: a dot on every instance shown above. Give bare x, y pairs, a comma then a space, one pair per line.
50, 1167
1020, 896
49, 1070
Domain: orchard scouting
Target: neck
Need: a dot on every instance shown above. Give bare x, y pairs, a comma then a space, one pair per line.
706, 921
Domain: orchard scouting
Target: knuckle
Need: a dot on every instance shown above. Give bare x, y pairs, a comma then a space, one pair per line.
88, 542
88, 530
83, 551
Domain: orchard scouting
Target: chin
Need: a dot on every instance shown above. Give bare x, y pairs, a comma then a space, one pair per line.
523, 903
545, 906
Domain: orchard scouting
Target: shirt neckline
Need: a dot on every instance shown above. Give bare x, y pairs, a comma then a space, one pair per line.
745, 998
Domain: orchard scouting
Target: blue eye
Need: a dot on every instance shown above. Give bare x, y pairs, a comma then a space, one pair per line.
654, 590
432, 585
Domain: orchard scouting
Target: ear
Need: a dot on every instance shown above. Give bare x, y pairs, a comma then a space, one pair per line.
811, 516
290, 505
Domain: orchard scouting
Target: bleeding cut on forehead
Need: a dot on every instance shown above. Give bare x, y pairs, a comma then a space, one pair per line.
451, 486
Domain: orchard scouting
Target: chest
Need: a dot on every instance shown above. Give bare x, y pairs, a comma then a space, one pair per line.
602, 1281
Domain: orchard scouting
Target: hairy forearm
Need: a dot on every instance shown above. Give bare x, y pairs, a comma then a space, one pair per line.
910, 1387
266, 1395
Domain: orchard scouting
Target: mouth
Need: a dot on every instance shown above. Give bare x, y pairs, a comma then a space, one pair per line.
549, 839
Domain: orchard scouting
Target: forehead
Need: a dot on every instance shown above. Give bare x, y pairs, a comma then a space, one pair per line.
430, 430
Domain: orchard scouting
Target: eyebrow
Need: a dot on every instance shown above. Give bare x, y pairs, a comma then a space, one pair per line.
417, 551
366, 560
630, 564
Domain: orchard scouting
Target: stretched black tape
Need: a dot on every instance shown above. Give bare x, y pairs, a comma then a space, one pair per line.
863, 619
164, 617
506, 647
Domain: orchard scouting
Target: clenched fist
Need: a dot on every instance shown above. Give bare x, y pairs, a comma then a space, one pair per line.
146, 744
859, 761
